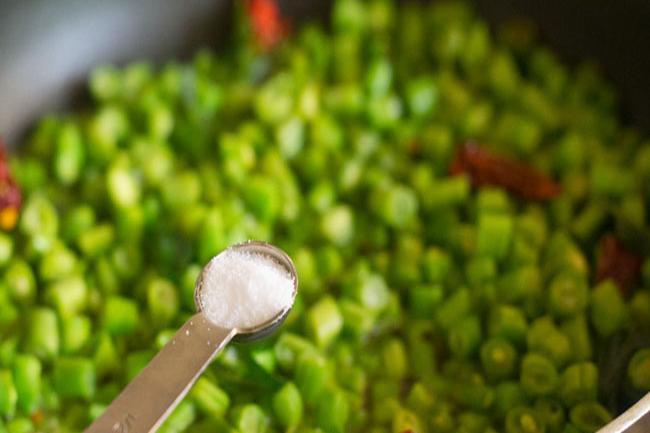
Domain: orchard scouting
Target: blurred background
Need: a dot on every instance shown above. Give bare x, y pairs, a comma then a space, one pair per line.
48, 47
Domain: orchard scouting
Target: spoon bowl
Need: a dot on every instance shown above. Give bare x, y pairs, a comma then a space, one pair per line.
280, 258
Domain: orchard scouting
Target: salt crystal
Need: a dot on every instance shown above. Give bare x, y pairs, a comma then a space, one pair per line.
243, 290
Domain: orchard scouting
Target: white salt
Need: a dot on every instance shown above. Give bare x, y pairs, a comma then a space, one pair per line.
243, 290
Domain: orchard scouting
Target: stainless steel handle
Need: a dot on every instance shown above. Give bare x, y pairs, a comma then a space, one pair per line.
145, 403
634, 420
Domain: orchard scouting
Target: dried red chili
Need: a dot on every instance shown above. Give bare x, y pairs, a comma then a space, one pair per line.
10, 197
485, 168
617, 263
269, 27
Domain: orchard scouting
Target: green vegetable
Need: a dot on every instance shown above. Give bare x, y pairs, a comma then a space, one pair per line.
433, 296
639, 370
74, 377
27, 379
287, 405
589, 416
608, 311
538, 375
209, 398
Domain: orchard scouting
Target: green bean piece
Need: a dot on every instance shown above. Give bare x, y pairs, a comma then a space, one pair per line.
419, 398
42, 338
337, 225
70, 154
424, 300
370, 289
544, 337
436, 264
521, 284
494, 235
578, 383
120, 315
447, 192
474, 396
498, 357
287, 405
180, 190
40, 221
20, 281
290, 347
508, 322
20, 425
162, 300
8, 394
538, 375
209, 398
59, 262
472, 421
8, 351
76, 222
443, 420
324, 321
27, 379
608, 310
106, 357
333, 411
251, 418
422, 96
551, 413
454, 308
589, 416
6, 249
356, 319
465, 336
180, 419
69, 295
480, 271
74, 377
577, 331
75, 333
568, 295
508, 394
311, 376
405, 420
96, 410
640, 307
394, 359
638, 370
96, 240
522, 419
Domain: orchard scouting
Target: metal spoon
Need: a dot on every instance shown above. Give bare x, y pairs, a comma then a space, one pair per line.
147, 401
634, 420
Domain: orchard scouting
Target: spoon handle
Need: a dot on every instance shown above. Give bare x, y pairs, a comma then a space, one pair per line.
147, 401
634, 420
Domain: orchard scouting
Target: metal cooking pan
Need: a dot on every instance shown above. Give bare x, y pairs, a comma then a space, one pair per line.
47, 49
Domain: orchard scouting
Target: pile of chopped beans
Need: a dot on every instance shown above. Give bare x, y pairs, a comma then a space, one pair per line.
467, 216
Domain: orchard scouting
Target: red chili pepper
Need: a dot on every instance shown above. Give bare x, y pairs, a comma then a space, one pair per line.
617, 263
485, 168
10, 197
269, 27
